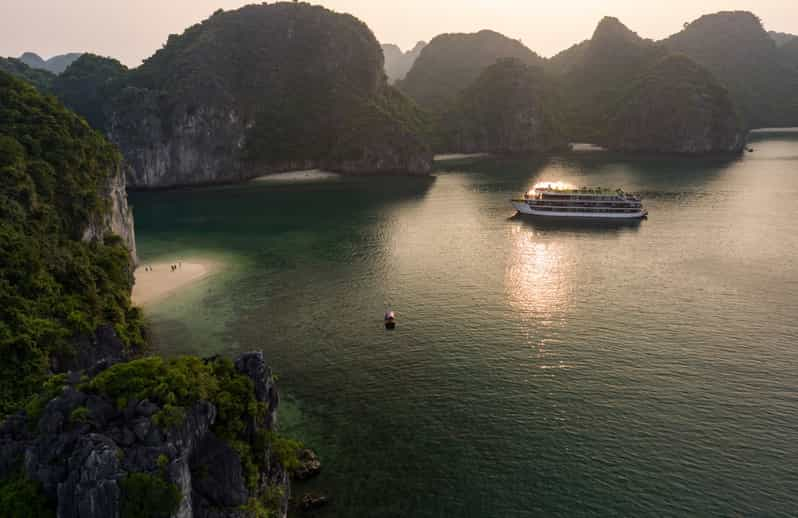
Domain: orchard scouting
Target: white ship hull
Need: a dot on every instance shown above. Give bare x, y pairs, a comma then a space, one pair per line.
524, 208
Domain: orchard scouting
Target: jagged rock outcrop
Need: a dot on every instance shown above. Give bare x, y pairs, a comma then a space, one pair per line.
677, 107
510, 108
398, 63
118, 219
56, 64
451, 62
261, 89
85, 448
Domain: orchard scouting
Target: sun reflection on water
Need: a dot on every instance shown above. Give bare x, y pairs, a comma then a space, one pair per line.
536, 279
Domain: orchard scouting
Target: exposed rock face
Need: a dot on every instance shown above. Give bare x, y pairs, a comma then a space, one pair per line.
204, 145
259, 89
118, 219
677, 107
309, 465
509, 109
55, 65
451, 62
398, 63
81, 464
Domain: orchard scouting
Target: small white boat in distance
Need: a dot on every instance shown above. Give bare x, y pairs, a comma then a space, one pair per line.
553, 201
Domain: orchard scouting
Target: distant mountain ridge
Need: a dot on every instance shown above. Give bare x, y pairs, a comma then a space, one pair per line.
398, 63
41, 79
451, 62
338, 111
56, 64
781, 38
735, 47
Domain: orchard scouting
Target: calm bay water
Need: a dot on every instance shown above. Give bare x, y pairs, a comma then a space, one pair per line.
537, 369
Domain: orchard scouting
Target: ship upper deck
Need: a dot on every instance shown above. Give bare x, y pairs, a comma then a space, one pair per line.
584, 193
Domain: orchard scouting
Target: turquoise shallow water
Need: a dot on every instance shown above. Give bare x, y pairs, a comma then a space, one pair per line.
537, 369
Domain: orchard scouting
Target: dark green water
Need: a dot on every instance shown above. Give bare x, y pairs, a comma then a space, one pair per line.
646, 370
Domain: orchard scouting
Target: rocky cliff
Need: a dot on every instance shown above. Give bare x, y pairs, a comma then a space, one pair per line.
153, 438
259, 90
398, 63
509, 109
117, 219
677, 107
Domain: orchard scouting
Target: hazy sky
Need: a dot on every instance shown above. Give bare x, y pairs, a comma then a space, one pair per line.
131, 30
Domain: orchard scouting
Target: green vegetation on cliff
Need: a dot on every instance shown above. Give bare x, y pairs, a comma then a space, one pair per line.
88, 84
451, 62
148, 496
41, 79
676, 106
23, 498
54, 287
510, 108
175, 385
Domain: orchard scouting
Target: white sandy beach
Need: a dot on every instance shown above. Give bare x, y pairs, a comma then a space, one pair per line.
160, 282
298, 176
459, 156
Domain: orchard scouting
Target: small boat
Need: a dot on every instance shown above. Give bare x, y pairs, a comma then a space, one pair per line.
390, 320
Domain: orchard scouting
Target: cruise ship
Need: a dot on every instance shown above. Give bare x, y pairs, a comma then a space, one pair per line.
555, 201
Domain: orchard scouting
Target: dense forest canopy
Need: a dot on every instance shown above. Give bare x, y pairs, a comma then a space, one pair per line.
87, 84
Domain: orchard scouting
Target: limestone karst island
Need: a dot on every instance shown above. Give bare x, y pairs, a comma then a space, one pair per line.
397, 259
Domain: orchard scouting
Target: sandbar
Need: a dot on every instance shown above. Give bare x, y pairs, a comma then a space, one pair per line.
459, 156
309, 175
156, 281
